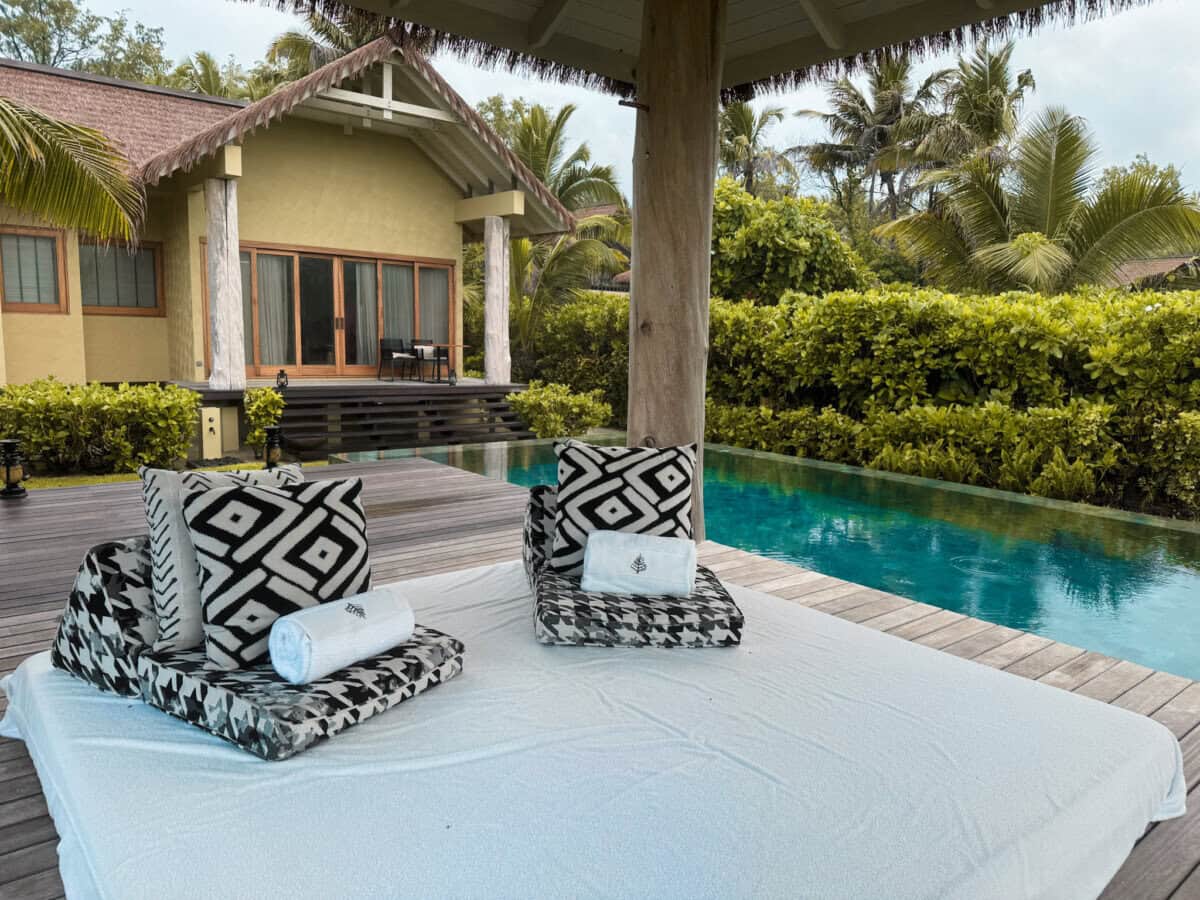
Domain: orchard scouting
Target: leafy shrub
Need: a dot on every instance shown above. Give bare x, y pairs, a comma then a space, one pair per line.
263, 406
99, 429
585, 344
552, 410
762, 248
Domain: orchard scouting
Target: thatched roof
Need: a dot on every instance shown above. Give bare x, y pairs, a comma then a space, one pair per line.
262, 113
769, 47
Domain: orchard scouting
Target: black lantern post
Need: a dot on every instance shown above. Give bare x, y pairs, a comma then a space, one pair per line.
14, 470
274, 449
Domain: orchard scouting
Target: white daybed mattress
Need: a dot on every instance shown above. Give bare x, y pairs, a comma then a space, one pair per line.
820, 759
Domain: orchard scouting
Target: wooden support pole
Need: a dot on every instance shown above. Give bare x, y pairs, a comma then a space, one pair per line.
497, 359
226, 337
674, 162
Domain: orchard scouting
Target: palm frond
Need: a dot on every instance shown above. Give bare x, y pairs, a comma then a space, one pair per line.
940, 245
70, 175
1032, 260
1053, 172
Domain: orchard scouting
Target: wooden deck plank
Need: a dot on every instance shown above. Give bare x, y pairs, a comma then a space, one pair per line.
426, 518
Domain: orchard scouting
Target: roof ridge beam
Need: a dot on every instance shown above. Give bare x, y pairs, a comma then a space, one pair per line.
546, 21
825, 20
395, 106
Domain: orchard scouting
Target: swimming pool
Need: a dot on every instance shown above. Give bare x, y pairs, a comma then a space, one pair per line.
1124, 585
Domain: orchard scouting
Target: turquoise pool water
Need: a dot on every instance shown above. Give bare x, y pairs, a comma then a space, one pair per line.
1122, 585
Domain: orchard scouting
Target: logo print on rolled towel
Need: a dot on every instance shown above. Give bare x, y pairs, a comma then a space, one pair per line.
355, 610
638, 565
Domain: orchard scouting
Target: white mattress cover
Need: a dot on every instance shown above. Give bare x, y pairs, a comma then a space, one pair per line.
819, 759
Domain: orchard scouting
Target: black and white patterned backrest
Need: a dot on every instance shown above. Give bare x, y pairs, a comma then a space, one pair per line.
176, 578
109, 619
265, 552
638, 490
538, 535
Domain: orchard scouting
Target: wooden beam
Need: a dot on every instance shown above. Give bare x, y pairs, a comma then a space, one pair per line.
497, 359
387, 90
395, 106
826, 22
674, 157
546, 21
225, 286
359, 111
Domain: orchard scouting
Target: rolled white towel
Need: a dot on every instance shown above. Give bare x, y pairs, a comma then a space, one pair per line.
641, 564
309, 644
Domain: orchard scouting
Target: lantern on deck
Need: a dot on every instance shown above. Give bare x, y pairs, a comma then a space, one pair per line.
274, 449
13, 470
281, 381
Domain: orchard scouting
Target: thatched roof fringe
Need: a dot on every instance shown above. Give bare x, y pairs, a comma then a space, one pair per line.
479, 53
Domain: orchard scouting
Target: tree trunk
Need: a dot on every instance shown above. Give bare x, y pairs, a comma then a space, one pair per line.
675, 155
497, 357
226, 330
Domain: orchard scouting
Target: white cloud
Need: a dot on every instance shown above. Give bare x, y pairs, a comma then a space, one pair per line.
1132, 76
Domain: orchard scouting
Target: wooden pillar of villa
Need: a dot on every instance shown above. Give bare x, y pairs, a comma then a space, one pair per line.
497, 358
225, 322
674, 161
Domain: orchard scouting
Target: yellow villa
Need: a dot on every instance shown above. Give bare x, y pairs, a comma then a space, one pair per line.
293, 233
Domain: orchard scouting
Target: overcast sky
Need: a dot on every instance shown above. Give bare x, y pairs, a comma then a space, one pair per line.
1133, 76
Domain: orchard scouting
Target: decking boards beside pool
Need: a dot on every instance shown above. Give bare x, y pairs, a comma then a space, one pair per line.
427, 518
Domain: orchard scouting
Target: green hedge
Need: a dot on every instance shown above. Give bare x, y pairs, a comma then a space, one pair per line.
98, 429
1092, 396
552, 410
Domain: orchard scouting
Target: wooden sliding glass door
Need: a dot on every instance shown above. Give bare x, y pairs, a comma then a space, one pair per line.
318, 313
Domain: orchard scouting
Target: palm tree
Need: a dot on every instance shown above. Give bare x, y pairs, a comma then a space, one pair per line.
868, 128
539, 140
1040, 220
203, 74
744, 152
67, 174
327, 38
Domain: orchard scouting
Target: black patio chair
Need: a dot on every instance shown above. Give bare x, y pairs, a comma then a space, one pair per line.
392, 351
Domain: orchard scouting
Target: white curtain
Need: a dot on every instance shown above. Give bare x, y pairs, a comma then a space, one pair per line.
276, 320
398, 302
30, 269
247, 308
361, 276
435, 305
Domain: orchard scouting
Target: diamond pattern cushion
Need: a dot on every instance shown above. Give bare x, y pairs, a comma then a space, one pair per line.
109, 619
265, 552
564, 613
176, 572
639, 490
538, 534
263, 714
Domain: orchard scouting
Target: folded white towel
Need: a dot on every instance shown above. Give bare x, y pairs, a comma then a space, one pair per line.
641, 564
309, 644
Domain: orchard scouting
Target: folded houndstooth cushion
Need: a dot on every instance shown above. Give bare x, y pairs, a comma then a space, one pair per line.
263, 714
564, 613
109, 619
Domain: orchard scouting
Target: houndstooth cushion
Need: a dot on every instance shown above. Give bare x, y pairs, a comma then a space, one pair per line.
640, 490
109, 619
263, 714
564, 613
176, 576
265, 552
538, 534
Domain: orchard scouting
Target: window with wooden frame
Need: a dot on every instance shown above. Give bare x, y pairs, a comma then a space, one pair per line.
117, 280
33, 277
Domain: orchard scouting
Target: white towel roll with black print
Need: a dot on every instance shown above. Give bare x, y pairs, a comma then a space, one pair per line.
639, 564
307, 645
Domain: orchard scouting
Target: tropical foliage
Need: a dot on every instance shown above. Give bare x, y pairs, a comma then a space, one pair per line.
1037, 221
65, 173
744, 153
554, 410
539, 138
324, 39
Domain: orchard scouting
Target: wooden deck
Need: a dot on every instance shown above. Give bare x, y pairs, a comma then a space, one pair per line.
428, 518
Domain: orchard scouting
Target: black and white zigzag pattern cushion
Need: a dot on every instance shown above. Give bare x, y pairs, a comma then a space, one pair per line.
639, 490
176, 576
538, 534
265, 552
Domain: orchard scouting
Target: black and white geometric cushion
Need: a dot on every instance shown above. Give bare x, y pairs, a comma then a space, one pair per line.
564, 613
538, 535
265, 552
109, 619
639, 490
262, 713
176, 576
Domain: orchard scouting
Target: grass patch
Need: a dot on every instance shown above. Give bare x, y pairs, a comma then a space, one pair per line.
42, 482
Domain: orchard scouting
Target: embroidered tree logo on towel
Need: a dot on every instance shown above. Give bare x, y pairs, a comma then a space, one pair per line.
638, 565
355, 610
